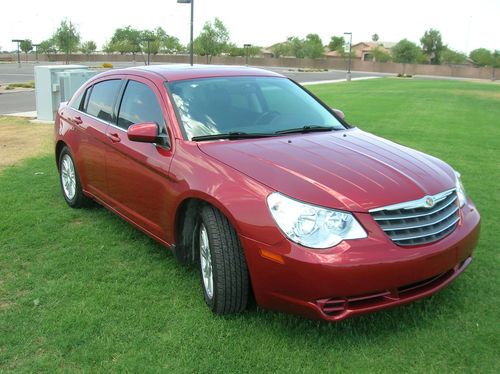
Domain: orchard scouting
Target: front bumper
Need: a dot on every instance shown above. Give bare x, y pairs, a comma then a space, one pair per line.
358, 276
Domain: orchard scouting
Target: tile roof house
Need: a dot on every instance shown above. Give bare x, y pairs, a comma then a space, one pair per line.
364, 50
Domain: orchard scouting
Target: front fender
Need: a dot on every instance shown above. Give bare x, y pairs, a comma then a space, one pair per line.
240, 198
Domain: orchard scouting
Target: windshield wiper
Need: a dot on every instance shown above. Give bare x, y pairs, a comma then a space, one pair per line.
304, 129
232, 135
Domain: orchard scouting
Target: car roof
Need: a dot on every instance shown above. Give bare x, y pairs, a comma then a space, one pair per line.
177, 72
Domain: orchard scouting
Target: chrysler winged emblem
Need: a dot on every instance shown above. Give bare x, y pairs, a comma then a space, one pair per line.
429, 202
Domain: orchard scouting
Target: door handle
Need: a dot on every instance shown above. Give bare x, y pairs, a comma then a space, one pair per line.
78, 120
115, 138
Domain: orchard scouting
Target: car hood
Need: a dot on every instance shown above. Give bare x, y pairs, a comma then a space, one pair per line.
350, 169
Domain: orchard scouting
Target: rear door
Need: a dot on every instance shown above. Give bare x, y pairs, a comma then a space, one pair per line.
95, 113
139, 186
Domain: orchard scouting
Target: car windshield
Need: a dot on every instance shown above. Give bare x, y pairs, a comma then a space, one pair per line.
247, 105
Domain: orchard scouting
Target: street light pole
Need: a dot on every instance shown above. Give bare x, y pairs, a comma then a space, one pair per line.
348, 78
191, 46
149, 40
247, 50
191, 36
137, 48
36, 52
18, 54
149, 53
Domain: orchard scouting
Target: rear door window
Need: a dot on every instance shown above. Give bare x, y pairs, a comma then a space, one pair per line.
102, 98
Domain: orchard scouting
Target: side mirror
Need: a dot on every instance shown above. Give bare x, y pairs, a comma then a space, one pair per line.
339, 113
146, 133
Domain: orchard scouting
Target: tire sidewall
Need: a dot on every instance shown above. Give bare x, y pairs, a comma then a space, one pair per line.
209, 300
78, 191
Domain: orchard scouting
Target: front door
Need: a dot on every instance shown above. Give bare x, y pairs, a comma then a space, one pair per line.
138, 173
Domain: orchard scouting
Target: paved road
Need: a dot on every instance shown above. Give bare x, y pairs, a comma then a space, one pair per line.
25, 101
11, 73
16, 102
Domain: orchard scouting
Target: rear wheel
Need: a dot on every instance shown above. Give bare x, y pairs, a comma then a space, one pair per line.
223, 269
70, 181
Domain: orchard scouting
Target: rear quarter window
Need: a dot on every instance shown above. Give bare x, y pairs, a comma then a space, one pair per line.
77, 101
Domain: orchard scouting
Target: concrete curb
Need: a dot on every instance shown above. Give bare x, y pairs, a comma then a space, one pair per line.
16, 90
31, 114
337, 81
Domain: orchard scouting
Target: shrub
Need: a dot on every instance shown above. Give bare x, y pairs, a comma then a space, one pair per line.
11, 86
310, 70
107, 65
381, 55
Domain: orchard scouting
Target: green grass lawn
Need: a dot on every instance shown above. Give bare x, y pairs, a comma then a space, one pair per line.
81, 290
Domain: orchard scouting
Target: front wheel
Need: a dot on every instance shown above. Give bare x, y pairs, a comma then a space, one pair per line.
223, 269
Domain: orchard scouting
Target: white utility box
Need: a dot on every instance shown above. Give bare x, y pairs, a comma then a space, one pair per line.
55, 84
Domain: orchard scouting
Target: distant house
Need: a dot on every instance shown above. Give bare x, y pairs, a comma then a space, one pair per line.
364, 50
469, 62
267, 52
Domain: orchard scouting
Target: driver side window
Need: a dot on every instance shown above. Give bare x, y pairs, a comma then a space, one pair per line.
139, 105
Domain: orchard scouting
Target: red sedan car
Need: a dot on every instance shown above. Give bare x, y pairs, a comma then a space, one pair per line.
252, 178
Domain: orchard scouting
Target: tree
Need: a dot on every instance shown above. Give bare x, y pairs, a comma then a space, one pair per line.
172, 45
154, 41
254, 50
125, 40
481, 57
67, 38
234, 50
296, 46
212, 40
405, 52
496, 58
47, 46
107, 47
375, 38
421, 57
380, 55
88, 47
312, 46
496, 64
451, 57
26, 46
484, 57
336, 43
281, 49
432, 45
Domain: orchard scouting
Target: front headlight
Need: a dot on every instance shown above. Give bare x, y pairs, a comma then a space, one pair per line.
313, 226
462, 198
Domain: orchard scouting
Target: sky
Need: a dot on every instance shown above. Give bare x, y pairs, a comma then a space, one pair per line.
464, 26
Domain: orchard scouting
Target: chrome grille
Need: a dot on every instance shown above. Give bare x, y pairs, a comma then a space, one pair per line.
420, 221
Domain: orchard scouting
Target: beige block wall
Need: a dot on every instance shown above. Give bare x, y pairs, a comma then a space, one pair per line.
323, 63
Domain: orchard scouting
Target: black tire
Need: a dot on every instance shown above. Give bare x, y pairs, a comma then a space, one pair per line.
231, 284
76, 199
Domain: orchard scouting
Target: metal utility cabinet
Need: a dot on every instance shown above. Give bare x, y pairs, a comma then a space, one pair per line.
55, 84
